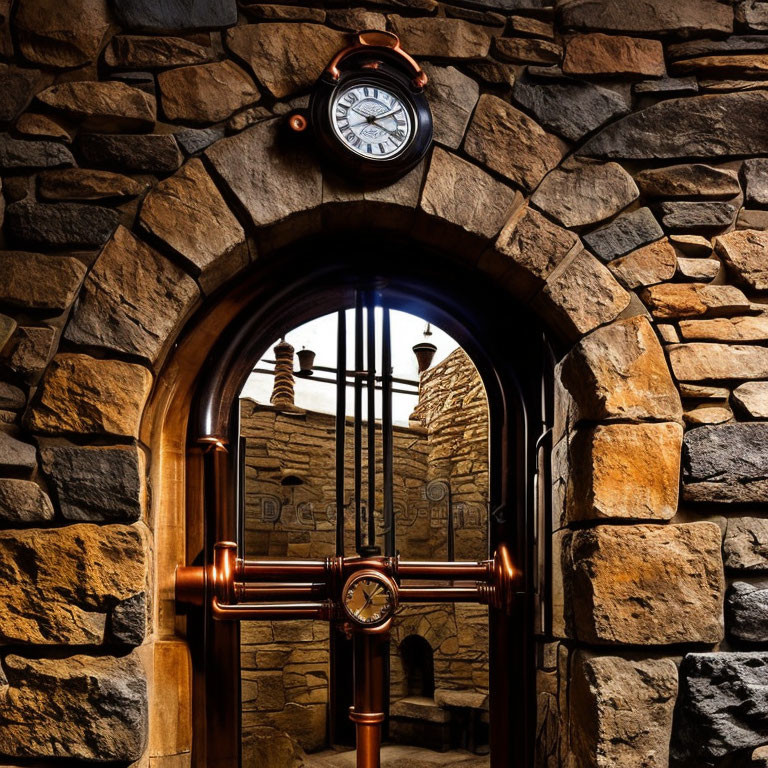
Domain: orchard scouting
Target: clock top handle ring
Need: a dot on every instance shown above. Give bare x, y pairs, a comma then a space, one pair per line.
388, 41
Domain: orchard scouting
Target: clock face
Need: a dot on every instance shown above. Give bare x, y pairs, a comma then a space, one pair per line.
368, 600
372, 121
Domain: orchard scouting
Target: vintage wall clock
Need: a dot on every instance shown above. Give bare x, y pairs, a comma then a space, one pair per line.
368, 112
369, 598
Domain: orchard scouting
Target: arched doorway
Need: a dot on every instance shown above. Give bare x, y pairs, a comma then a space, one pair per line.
314, 278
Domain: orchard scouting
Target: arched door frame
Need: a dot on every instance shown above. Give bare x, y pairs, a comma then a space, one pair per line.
504, 340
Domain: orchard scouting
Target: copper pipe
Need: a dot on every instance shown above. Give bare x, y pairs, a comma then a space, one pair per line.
190, 584
271, 611
455, 570
439, 594
281, 570
280, 591
368, 711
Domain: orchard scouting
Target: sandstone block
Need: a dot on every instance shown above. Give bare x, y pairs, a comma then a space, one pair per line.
695, 246
726, 463
39, 281
109, 106
627, 471
16, 455
747, 612
598, 54
645, 584
695, 47
736, 66
83, 707
745, 328
161, 295
745, 252
87, 184
619, 372
42, 126
81, 394
510, 143
531, 246
755, 174
97, 484
669, 301
709, 126
59, 584
585, 194
722, 705
465, 195
22, 501
271, 748
150, 153
752, 219
581, 297
648, 265
752, 399
698, 270
745, 547
272, 186
7, 328
60, 225
702, 362
61, 34
17, 86
442, 38
568, 107
11, 397
624, 234
754, 15
652, 16
30, 350
270, 51
144, 52
621, 710
17, 154
452, 98
688, 180
527, 50
206, 93
174, 15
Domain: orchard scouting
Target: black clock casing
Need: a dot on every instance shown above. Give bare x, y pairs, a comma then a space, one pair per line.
377, 61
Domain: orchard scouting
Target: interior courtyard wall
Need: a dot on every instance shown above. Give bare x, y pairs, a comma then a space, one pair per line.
604, 162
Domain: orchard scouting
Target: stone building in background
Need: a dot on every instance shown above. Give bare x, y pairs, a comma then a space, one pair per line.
603, 162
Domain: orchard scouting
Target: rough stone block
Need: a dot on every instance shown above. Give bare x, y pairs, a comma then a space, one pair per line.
747, 328
149, 52
644, 584
81, 394
627, 471
161, 295
452, 98
88, 184
752, 399
704, 362
648, 265
726, 462
745, 547
30, 350
689, 180
697, 216
16, 455
95, 483
59, 584
672, 301
619, 372
22, 501
723, 705
621, 711
174, 15
77, 707
745, 252
18, 154
441, 38
624, 234
614, 55
140, 153
747, 612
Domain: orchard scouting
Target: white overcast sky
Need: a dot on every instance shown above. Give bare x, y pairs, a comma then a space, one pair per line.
320, 336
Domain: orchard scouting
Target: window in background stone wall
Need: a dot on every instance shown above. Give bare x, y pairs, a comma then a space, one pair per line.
438, 661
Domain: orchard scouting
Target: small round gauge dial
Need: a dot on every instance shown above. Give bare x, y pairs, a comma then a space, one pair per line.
372, 121
368, 599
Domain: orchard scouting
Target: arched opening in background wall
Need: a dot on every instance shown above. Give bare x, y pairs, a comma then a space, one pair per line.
419, 665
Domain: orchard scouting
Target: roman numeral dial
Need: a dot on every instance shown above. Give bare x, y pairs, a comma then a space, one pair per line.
368, 599
373, 122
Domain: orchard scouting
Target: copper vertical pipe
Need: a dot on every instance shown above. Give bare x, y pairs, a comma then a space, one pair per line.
368, 711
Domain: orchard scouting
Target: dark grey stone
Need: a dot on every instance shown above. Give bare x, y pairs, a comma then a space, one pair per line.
60, 225
624, 234
713, 125
174, 15
755, 175
151, 153
17, 154
680, 86
22, 501
193, 140
694, 215
722, 706
15, 454
11, 397
101, 484
726, 462
569, 108
735, 44
747, 612
128, 621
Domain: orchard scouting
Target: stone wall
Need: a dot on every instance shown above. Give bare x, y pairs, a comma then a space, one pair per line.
440, 463
601, 160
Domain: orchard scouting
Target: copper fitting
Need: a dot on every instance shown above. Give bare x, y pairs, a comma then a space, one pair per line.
297, 122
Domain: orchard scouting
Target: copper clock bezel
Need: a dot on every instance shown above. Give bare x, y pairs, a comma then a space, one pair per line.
373, 575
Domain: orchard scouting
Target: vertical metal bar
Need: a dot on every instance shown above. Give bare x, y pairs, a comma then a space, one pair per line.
341, 425
358, 420
387, 436
451, 525
370, 312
